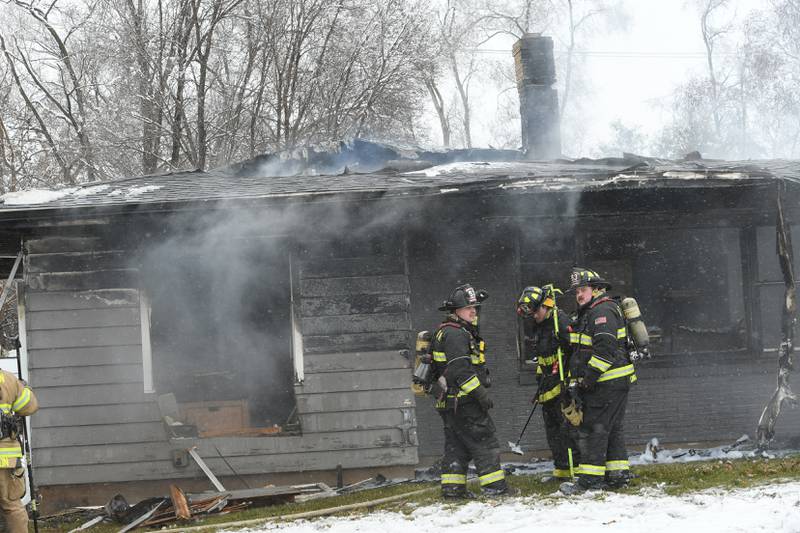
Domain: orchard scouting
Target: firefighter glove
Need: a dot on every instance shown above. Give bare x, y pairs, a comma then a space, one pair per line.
572, 412
482, 396
439, 388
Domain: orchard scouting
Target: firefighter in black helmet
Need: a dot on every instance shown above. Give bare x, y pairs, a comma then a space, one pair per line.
462, 399
601, 374
547, 343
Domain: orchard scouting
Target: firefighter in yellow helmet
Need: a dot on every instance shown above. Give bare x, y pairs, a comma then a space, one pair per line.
16, 401
463, 401
547, 343
601, 374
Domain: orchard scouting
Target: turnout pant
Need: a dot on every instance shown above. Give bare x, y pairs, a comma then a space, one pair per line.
601, 437
469, 434
561, 437
12, 489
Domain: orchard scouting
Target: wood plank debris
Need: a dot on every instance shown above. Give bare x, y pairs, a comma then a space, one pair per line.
179, 502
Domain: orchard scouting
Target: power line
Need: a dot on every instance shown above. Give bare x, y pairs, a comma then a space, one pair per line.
617, 54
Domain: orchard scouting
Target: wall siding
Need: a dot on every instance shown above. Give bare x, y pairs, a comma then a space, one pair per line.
355, 319
355, 312
689, 397
96, 423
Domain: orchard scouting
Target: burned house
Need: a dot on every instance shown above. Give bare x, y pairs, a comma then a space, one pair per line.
267, 319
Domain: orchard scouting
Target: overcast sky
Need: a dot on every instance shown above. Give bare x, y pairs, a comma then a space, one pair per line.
633, 70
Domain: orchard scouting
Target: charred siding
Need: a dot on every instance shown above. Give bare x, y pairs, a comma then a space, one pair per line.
355, 320
96, 423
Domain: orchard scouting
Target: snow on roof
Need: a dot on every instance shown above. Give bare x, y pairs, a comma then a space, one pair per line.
449, 178
466, 168
35, 196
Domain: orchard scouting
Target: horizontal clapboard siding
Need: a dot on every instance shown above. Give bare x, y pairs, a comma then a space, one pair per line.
84, 347
75, 261
354, 315
82, 281
54, 416
354, 304
163, 468
344, 362
91, 375
84, 337
99, 299
81, 357
244, 449
346, 342
101, 435
82, 318
96, 423
392, 284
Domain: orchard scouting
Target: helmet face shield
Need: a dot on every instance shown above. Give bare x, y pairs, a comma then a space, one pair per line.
529, 301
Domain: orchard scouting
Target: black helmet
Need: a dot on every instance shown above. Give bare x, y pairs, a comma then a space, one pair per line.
581, 277
533, 297
464, 296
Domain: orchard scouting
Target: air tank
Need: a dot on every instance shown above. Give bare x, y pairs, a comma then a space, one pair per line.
636, 328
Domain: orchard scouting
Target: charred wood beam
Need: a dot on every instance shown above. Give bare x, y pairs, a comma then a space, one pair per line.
766, 423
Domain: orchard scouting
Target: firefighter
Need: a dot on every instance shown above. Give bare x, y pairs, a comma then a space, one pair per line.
463, 401
547, 343
16, 400
600, 376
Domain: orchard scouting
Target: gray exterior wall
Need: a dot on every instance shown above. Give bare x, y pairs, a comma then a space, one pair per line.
96, 423
356, 307
681, 397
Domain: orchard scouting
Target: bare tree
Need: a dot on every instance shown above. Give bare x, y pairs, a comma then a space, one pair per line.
711, 35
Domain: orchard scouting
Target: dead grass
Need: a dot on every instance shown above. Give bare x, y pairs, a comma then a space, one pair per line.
672, 478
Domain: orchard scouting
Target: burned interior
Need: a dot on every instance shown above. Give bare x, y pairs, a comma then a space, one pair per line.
221, 333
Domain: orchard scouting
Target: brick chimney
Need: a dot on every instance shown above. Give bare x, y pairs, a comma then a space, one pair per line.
538, 100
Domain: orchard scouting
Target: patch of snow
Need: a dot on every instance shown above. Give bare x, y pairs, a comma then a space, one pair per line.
136, 191
445, 191
35, 196
468, 167
689, 175
86, 191
769, 508
542, 183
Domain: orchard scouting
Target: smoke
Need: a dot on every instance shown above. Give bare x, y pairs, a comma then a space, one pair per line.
220, 284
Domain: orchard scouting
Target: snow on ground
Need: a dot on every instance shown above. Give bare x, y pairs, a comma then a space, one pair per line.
770, 508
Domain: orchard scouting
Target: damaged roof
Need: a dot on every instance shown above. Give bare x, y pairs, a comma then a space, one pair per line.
252, 180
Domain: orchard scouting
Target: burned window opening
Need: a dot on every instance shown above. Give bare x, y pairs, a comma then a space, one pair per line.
221, 335
770, 286
688, 282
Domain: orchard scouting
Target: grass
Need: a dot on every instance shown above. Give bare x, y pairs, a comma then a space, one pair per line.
673, 479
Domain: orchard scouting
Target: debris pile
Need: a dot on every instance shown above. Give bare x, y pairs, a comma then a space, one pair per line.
179, 507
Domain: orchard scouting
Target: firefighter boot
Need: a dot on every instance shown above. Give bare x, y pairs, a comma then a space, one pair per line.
500, 491
457, 492
617, 479
583, 484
